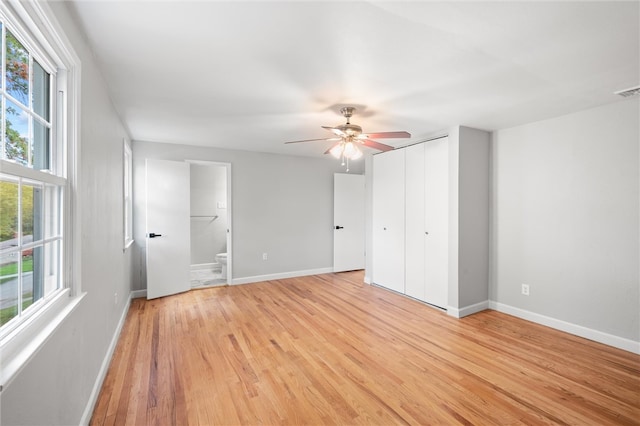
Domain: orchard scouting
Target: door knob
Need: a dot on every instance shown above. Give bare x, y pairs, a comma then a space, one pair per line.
153, 235
339, 227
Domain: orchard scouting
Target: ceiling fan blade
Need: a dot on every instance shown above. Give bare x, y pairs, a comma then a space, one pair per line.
335, 131
377, 145
387, 135
331, 147
312, 140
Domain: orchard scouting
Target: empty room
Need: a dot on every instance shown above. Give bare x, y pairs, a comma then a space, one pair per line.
319, 212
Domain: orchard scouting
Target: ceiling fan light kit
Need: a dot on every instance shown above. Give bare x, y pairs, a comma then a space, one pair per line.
345, 151
349, 136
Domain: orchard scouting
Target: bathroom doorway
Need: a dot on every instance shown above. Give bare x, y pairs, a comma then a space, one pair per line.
210, 223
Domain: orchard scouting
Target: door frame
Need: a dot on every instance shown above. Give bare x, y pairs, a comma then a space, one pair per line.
230, 256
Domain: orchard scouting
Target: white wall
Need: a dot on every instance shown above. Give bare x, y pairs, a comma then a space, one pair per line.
565, 218
281, 205
56, 385
473, 215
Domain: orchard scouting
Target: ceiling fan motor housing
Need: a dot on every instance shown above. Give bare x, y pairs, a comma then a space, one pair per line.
352, 130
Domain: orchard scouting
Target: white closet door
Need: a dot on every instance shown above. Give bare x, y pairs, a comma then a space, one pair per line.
415, 221
436, 160
388, 220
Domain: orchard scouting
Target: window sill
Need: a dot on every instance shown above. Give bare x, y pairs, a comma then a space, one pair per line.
127, 244
24, 342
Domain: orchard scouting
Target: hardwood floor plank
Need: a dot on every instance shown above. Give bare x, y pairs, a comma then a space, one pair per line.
328, 349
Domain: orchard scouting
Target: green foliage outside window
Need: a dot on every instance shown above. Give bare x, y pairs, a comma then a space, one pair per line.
9, 210
17, 85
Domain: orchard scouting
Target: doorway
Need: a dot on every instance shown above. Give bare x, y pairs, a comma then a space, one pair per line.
210, 224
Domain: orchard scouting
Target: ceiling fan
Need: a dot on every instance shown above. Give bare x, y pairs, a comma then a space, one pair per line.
348, 136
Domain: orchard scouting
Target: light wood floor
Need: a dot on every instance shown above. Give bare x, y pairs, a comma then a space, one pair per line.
328, 349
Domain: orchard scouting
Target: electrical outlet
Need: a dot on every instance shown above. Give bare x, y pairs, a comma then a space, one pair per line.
525, 289
264, 256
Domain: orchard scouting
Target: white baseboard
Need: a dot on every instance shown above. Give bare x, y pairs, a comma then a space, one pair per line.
578, 330
201, 266
104, 368
137, 294
467, 310
282, 275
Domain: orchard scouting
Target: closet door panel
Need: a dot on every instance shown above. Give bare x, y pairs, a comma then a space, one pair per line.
415, 221
436, 196
388, 220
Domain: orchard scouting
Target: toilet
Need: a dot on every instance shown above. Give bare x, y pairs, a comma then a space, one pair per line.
221, 258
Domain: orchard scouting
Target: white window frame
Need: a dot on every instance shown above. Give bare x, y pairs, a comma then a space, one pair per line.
36, 23
127, 180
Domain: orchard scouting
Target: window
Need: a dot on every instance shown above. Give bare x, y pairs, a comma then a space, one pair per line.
128, 199
30, 203
39, 240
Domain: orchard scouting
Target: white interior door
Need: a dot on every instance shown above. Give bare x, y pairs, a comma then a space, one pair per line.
436, 186
167, 227
348, 221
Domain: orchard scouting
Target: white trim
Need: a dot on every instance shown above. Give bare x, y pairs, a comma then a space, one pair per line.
367, 280
575, 329
138, 294
127, 191
282, 275
129, 244
200, 266
15, 169
25, 341
104, 368
467, 310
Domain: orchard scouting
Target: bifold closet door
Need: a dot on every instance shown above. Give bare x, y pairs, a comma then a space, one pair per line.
436, 221
388, 219
415, 221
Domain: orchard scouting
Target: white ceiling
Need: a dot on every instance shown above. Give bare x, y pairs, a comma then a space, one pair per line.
252, 75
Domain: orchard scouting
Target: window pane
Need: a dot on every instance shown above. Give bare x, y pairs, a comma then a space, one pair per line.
51, 268
40, 91
32, 277
31, 212
17, 70
52, 214
8, 215
16, 134
8, 289
2, 53
127, 220
40, 148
